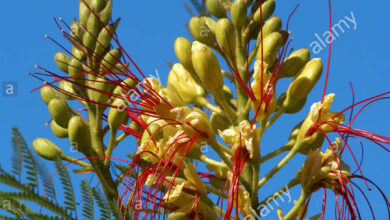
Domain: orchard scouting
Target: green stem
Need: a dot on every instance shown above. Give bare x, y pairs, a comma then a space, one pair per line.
293, 213
275, 153
110, 148
74, 160
210, 161
281, 164
289, 185
215, 191
230, 112
241, 67
205, 103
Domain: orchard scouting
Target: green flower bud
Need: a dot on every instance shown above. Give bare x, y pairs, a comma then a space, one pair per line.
75, 70
273, 24
46, 149
216, 8
183, 52
304, 81
58, 131
102, 86
219, 122
48, 93
79, 134
126, 85
89, 41
60, 111
117, 115
225, 36
104, 38
84, 12
206, 66
62, 61
78, 54
292, 108
272, 43
239, 14
294, 62
267, 8
181, 81
93, 25
110, 60
105, 14
201, 31
76, 30
69, 88
210, 23
97, 5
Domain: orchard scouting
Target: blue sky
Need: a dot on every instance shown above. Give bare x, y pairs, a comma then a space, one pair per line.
147, 31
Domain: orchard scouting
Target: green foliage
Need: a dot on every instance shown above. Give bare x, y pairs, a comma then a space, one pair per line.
102, 203
66, 185
15, 193
87, 197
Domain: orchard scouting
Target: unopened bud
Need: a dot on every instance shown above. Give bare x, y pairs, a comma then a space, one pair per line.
304, 81
271, 45
267, 8
183, 52
76, 71
93, 25
62, 60
216, 8
110, 60
117, 114
97, 5
207, 67
57, 130
273, 24
48, 93
201, 31
294, 62
225, 36
105, 14
84, 11
60, 111
104, 38
76, 30
239, 14
68, 89
46, 149
292, 107
79, 134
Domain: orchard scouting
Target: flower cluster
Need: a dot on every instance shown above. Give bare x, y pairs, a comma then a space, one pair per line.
171, 124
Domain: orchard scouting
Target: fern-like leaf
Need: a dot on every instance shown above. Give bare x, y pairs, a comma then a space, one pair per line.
69, 199
11, 181
101, 201
38, 199
16, 157
87, 197
44, 175
27, 158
